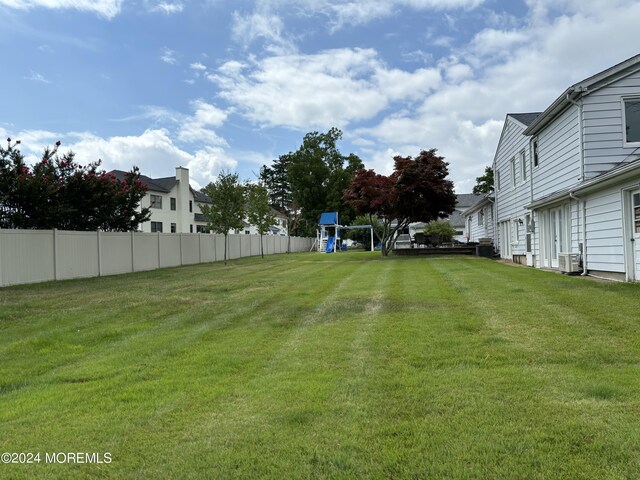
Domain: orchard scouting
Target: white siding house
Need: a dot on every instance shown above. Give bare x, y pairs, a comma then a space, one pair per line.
581, 194
480, 221
174, 205
513, 165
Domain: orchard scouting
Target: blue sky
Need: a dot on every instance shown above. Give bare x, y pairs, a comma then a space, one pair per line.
214, 84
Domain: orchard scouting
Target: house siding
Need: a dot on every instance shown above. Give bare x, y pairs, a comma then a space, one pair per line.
512, 199
485, 230
603, 128
559, 155
605, 233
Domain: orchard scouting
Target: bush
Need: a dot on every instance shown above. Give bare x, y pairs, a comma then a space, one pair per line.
441, 230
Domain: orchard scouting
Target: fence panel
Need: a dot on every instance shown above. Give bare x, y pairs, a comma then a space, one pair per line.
170, 250
147, 251
26, 256
116, 255
207, 248
190, 249
77, 254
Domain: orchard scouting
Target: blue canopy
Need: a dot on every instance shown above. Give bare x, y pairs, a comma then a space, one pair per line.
328, 218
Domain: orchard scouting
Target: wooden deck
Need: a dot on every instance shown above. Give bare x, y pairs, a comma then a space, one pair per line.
459, 250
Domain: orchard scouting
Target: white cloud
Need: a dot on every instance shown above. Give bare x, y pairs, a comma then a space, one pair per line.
37, 77
168, 56
197, 128
197, 66
104, 8
153, 151
263, 26
331, 88
168, 7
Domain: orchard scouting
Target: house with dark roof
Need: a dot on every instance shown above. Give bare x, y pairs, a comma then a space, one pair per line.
175, 207
173, 203
568, 179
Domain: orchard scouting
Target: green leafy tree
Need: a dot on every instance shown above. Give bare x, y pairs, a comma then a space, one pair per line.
57, 192
259, 212
484, 183
276, 180
316, 175
227, 208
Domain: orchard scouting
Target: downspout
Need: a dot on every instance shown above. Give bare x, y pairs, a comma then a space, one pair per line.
532, 221
584, 232
571, 194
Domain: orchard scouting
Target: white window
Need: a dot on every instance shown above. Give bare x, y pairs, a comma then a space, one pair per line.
497, 180
523, 167
156, 227
480, 218
513, 172
534, 147
632, 120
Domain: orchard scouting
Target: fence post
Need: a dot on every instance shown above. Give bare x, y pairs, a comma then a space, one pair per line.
99, 253
181, 262
55, 254
133, 252
159, 254
199, 248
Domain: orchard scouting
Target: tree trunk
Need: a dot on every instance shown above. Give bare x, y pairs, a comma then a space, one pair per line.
261, 246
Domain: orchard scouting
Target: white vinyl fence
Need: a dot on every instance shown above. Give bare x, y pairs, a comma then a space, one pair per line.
29, 256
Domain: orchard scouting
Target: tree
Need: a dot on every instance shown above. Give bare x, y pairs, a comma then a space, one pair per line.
417, 190
259, 212
276, 180
484, 183
226, 211
316, 175
57, 192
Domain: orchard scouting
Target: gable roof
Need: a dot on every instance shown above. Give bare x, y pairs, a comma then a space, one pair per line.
525, 119
466, 200
583, 88
163, 185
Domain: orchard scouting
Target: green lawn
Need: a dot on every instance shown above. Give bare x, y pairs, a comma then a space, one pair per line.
324, 366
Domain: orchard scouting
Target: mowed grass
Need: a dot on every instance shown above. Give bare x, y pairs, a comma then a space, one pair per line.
324, 366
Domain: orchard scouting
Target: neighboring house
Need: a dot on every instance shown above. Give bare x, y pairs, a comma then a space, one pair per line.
279, 226
464, 201
479, 220
568, 179
173, 204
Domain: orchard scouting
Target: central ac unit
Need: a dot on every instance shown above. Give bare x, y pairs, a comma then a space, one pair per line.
568, 262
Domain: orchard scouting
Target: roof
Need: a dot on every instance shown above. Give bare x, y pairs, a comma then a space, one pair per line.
328, 218
525, 118
466, 200
163, 185
583, 88
456, 219
486, 200
200, 197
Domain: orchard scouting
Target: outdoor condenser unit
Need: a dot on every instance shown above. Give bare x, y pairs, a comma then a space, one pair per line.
568, 262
